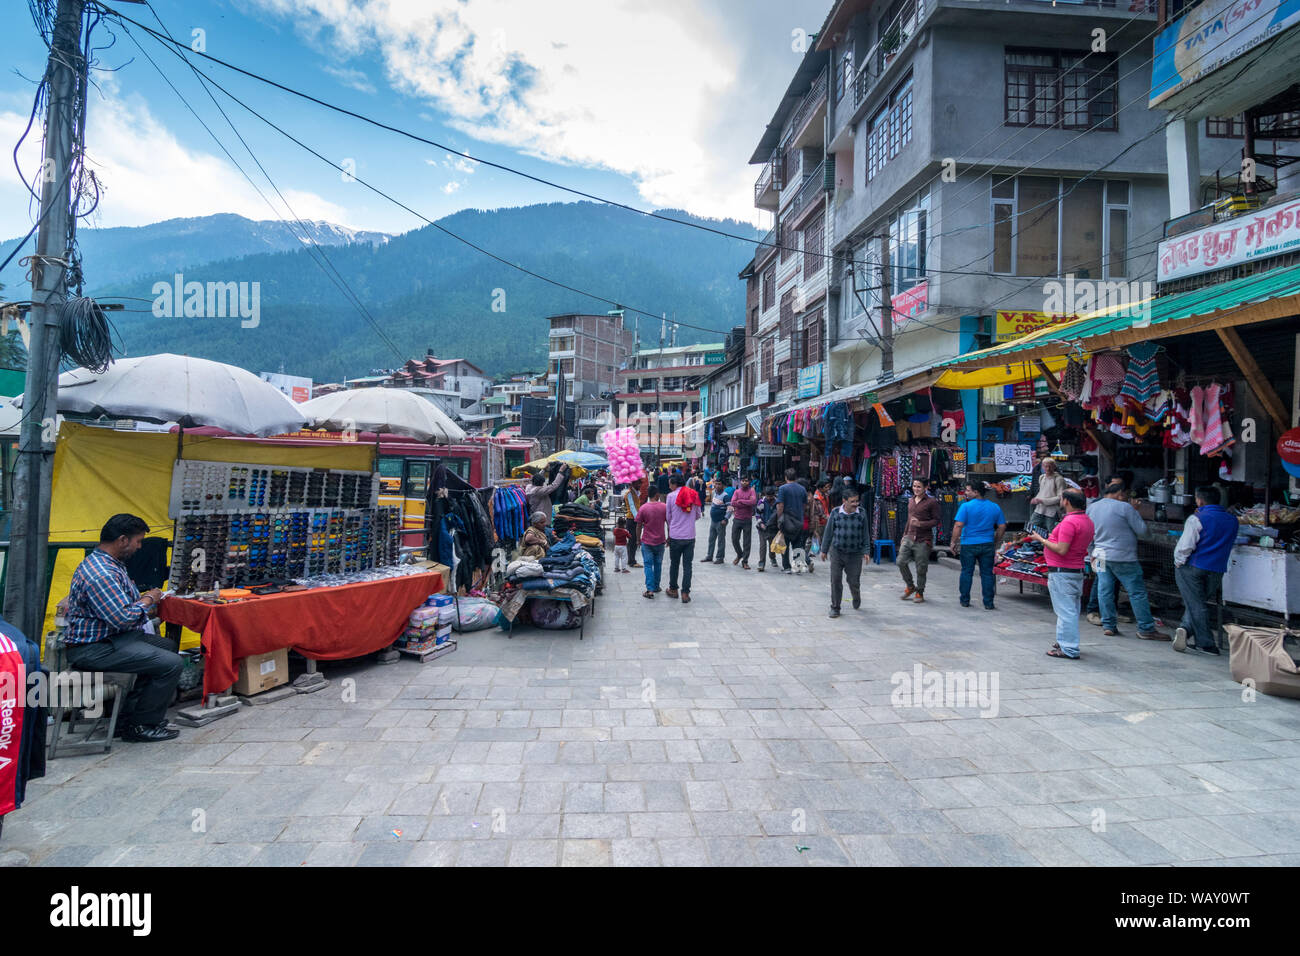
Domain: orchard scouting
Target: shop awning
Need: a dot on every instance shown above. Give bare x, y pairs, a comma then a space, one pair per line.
1008, 372
912, 380
1274, 294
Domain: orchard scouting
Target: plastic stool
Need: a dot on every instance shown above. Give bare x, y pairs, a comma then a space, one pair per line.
879, 547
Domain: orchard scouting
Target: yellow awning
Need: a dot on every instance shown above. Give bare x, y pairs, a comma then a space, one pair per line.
1012, 373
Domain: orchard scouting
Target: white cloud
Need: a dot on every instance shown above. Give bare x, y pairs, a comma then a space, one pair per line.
451, 187
636, 88
351, 77
148, 174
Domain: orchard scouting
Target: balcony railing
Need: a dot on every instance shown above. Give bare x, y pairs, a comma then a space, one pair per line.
813, 186
863, 83
815, 95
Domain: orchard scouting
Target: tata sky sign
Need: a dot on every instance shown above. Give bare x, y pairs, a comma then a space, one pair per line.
1215, 33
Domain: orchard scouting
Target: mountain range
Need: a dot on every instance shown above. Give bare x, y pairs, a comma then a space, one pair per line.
349, 302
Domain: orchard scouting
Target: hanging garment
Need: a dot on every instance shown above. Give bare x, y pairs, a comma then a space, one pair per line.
1142, 380
1218, 433
1085, 395
1107, 377
1073, 379
1197, 415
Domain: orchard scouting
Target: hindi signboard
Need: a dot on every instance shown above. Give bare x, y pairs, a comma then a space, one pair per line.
1013, 459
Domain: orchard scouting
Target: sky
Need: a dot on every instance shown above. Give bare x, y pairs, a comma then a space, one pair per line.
658, 105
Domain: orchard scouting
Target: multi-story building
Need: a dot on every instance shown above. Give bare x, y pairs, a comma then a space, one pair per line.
659, 395
589, 350
981, 151
788, 280
513, 391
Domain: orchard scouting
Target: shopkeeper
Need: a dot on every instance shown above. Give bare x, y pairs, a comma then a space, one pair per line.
107, 620
1200, 559
1047, 498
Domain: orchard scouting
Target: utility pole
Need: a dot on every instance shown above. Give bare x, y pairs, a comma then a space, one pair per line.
33, 474
886, 313
659, 426
559, 405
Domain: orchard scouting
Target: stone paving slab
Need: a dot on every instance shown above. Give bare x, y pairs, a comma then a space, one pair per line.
745, 728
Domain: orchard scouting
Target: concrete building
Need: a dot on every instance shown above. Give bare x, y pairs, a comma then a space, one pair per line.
659, 395
589, 350
788, 280
995, 148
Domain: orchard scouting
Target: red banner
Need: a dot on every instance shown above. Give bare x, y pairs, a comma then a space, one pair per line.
13, 689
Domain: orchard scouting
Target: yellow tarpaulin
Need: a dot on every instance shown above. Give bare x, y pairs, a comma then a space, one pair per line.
99, 472
1008, 374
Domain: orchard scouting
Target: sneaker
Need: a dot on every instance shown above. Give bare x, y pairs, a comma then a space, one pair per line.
920, 598
1212, 651
1110, 632
1154, 636
908, 592
672, 593
965, 603
761, 568
990, 607
835, 612
857, 603
789, 570
1180, 640
1094, 618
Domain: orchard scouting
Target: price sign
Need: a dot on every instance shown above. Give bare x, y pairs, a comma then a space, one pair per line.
1013, 459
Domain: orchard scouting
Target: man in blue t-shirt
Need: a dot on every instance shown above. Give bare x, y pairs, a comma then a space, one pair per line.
976, 536
790, 500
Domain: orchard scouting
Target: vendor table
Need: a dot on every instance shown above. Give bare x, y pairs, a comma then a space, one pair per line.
331, 623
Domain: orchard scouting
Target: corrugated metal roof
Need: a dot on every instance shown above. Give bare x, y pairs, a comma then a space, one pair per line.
1224, 297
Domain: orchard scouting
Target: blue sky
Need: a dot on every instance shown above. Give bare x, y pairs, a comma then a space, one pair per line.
654, 104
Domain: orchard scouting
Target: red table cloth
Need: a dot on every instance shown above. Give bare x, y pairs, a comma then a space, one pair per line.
323, 623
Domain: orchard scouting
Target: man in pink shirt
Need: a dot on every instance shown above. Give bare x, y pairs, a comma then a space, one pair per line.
651, 518
1065, 551
681, 535
743, 502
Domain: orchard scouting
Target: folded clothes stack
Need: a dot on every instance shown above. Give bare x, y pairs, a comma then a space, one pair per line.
566, 565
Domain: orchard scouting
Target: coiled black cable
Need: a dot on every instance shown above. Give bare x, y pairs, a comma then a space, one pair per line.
86, 335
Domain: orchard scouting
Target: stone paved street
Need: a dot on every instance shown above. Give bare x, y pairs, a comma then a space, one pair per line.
745, 728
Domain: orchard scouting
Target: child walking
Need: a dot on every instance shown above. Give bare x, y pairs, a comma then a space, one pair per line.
621, 538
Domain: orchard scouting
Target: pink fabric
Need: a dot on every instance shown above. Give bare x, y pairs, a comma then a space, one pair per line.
1198, 415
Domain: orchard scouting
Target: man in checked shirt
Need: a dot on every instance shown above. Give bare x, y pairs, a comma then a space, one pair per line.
106, 619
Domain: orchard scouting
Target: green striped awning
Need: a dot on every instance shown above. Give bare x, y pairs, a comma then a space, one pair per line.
1261, 297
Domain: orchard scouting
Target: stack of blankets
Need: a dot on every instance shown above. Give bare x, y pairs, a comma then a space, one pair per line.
566, 571
578, 519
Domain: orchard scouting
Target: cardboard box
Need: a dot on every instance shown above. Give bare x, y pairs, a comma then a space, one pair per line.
261, 672
441, 569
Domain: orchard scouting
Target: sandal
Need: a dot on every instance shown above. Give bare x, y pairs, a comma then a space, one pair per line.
1055, 651
648, 594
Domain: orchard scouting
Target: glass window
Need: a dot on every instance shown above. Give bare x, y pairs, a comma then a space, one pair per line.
390, 467
1036, 226
1063, 89
1117, 243
1081, 230
417, 478
1003, 218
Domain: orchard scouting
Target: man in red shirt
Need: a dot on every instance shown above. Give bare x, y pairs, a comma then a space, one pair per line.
743, 503
1066, 550
652, 519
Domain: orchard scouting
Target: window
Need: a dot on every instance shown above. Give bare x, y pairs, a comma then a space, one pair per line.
753, 321
786, 324
769, 355
1061, 89
907, 243
769, 288
1225, 127
1044, 226
785, 377
812, 245
783, 240
813, 336
891, 128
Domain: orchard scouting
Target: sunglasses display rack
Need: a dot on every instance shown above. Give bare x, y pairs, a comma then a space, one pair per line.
232, 486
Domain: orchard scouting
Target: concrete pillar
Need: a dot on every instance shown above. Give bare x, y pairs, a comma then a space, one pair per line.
1183, 152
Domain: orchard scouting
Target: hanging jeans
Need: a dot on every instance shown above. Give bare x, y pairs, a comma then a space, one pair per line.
681, 553
1198, 587
652, 555
1066, 589
969, 555
1128, 574
741, 529
718, 534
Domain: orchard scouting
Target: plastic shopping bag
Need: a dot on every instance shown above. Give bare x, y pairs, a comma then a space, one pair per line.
778, 543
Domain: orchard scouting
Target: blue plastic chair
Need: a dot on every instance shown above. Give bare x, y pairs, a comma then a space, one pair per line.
880, 545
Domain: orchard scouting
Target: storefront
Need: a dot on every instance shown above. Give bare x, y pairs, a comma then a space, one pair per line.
1194, 393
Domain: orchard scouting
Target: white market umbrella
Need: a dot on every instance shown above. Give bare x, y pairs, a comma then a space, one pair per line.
383, 410
177, 388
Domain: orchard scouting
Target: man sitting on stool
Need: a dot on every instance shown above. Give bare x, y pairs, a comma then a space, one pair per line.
106, 619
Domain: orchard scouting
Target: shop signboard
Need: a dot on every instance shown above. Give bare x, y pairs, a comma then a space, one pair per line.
669, 416
714, 358
297, 387
1013, 459
810, 381
1010, 325
1259, 235
770, 451
1031, 423
910, 303
1212, 35
1288, 448
762, 394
